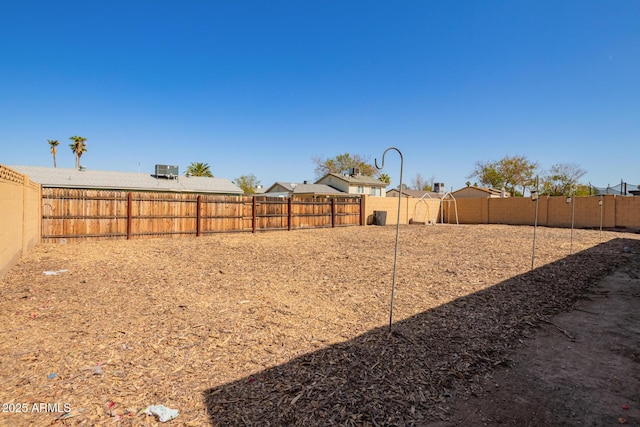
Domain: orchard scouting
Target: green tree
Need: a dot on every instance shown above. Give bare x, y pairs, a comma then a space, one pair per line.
385, 178
562, 179
54, 150
248, 183
199, 169
517, 171
488, 174
78, 146
582, 190
508, 172
342, 163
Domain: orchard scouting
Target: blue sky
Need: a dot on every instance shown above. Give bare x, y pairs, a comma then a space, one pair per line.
262, 87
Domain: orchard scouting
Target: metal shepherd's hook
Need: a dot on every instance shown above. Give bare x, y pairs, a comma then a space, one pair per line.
395, 254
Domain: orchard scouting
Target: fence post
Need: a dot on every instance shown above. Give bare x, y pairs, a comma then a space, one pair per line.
129, 210
333, 212
363, 219
289, 214
198, 204
253, 215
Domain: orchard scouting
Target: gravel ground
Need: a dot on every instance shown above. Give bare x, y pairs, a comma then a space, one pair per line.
283, 328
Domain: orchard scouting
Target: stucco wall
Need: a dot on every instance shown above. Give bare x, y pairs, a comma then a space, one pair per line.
20, 211
615, 211
425, 210
627, 211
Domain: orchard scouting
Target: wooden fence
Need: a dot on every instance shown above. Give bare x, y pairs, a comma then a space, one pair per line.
103, 214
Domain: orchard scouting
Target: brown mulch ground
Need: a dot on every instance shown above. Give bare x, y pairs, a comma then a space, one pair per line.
283, 328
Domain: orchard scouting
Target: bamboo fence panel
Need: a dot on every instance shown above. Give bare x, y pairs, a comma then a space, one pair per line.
106, 214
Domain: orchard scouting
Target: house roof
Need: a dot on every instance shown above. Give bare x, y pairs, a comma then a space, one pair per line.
357, 180
111, 180
489, 191
417, 193
306, 188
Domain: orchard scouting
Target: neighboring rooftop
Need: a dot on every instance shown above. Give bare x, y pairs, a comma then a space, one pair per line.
356, 179
473, 191
304, 188
134, 181
415, 193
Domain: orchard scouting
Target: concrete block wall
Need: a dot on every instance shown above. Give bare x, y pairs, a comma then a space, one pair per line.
588, 212
423, 210
470, 210
20, 214
627, 212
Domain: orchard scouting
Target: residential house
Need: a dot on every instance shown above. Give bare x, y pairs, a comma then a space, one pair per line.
472, 191
125, 181
354, 183
285, 189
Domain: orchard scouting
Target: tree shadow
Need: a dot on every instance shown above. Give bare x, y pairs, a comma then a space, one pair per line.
410, 376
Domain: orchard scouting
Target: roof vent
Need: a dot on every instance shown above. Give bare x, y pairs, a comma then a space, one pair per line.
166, 171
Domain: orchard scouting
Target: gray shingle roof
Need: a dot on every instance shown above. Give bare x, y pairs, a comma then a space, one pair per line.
110, 180
357, 179
415, 193
320, 189
315, 189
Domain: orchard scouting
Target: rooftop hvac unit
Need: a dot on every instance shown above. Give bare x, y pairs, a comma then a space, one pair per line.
438, 187
166, 171
354, 171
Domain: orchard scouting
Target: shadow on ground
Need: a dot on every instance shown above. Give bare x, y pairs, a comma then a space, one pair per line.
412, 375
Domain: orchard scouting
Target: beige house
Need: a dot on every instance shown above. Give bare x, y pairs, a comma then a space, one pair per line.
354, 183
478, 192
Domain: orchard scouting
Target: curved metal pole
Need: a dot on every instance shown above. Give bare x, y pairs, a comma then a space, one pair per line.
572, 198
600, 204
395, 254
535, 224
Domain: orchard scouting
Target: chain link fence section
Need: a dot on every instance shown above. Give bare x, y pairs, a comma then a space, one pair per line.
622, 189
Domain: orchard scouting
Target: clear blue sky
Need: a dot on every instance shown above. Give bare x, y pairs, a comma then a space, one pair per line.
263, 86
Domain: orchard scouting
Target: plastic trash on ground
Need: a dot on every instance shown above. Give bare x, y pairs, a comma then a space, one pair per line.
163, 413
54, 272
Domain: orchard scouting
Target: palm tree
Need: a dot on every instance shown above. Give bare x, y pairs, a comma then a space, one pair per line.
199, 169
385, 178
78, 146
53, 143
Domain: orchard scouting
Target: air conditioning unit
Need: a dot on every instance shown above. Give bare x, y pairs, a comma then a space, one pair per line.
354, 172
438, 187
166, 171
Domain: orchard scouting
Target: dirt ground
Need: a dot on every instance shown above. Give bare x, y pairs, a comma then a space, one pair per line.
292, 328
583, 368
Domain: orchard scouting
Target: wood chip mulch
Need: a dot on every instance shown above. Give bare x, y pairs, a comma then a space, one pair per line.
282, 328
